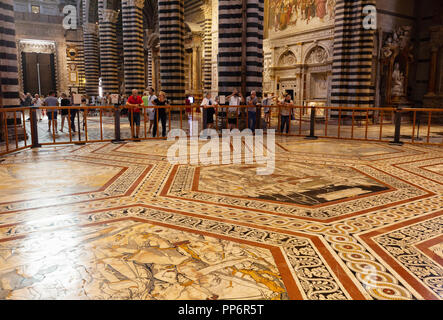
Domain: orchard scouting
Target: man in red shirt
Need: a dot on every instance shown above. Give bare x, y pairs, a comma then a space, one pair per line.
133, 104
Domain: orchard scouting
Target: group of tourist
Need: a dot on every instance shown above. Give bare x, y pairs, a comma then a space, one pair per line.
252, 102
51, 100
156, 109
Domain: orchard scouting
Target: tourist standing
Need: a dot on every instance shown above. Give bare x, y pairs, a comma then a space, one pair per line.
267, 101
134, 102
235, 100
209, 104
52, 101
285, 113
65, 102
84, 103
37, 103
252, 102
151, 111
28, 100
160, 113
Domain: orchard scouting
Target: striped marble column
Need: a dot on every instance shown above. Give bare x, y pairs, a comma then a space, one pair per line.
207, 46
91, 57
8, 57
108, 50
254, 48
230, 45
149, 68
353, 49
172, 51
133, 45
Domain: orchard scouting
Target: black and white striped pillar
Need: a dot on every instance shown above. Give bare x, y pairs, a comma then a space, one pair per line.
108, 50
8, 57
149, 68
172, 54
207, 47
133, 45
91, 57
230, 45
353, 49
254, 48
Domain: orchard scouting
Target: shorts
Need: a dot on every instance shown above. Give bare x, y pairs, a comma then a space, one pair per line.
52, 115
136, 117
65, 112
151, 113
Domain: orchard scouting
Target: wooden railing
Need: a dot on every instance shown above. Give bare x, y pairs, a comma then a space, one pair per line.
105, 124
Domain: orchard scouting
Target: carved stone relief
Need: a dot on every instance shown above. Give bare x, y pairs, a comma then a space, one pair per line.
287, 59
317, 55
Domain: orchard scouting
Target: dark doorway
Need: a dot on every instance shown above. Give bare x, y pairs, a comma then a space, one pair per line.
38, 72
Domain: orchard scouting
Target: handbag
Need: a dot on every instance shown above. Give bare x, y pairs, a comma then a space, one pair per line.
232, 114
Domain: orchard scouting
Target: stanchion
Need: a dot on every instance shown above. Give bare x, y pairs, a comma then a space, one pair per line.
397, 120
34, 128
117, 125
79, 128
312, 127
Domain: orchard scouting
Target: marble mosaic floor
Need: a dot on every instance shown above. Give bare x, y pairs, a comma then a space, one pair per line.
337, 220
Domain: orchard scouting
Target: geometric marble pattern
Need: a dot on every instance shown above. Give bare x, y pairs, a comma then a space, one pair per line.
337, 220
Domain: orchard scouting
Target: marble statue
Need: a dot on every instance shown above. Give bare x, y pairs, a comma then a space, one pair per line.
398, 82
400, 40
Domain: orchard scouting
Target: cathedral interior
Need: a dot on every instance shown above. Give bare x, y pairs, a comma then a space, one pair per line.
297, 38
352, 211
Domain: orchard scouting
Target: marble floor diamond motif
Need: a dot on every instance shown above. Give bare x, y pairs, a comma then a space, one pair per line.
337, 220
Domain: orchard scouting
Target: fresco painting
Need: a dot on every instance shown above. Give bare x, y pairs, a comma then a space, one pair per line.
299, 14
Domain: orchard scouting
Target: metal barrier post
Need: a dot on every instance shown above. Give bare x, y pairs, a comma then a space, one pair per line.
34, 128
397, 120
312, 128
117, 125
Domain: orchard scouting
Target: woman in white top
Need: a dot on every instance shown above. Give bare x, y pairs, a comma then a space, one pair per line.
37, 102
151, 111
209, 104
235, 99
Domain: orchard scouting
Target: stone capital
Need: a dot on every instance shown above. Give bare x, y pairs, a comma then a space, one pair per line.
110, 16
134, 3
207, 9
90, 28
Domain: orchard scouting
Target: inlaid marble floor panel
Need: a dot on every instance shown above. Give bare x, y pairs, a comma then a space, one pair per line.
336, 220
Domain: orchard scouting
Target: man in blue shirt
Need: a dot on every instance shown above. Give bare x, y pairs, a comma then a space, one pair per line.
51, 101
